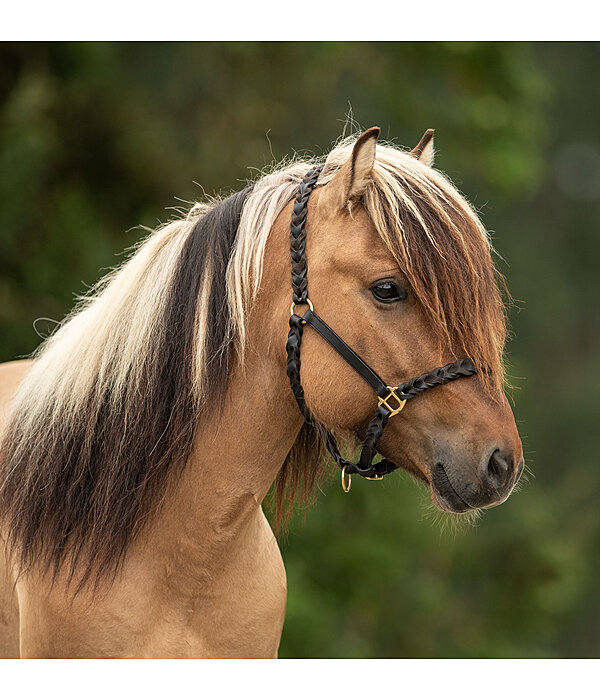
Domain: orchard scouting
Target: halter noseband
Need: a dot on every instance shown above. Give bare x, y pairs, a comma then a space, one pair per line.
391, 399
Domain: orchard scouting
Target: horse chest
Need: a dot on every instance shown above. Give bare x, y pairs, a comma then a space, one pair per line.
232, 607
239, 610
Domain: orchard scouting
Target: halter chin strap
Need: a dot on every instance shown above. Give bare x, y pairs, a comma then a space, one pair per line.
391, 400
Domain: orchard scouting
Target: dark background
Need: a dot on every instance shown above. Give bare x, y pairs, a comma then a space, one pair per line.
98, 138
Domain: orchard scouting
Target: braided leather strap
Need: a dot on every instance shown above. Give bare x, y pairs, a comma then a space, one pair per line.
441, 375
365, 466
298, 236
299, 283
292, 348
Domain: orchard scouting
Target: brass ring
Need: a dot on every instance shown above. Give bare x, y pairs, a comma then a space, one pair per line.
348, 486
308, 301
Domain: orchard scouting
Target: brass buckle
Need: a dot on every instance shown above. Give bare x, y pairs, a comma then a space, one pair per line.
392, 395
346, 486
300, 303
374, 478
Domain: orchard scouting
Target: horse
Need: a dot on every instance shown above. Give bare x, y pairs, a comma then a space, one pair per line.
139, 441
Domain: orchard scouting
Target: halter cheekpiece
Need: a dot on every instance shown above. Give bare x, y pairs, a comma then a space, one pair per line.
391, 399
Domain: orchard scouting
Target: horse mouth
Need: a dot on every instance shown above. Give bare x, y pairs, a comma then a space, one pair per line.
443, 494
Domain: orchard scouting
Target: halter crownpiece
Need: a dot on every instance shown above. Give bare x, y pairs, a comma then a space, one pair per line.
391, 399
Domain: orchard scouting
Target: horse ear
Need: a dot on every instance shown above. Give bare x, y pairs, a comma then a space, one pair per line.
352, 178
423, 151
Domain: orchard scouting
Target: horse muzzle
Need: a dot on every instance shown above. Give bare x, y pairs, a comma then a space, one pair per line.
459, 490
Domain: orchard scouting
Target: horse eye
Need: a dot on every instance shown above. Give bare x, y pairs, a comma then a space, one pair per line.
388, 292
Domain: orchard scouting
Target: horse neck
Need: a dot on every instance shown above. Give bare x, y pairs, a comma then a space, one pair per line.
238, 451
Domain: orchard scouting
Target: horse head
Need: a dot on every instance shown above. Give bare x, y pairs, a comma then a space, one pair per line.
401, 268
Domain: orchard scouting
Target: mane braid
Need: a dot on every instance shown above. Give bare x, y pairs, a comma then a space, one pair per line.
78, 492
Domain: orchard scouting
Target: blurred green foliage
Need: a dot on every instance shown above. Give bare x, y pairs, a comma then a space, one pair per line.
98, 138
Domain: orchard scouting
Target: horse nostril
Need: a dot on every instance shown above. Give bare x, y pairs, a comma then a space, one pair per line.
498, 470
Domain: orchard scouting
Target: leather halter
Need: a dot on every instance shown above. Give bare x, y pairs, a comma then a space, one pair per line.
391, 400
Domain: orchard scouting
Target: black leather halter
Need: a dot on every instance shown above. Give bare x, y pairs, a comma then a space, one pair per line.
391, 399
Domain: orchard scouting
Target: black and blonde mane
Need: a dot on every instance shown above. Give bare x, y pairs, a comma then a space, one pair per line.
106, 418
103, 472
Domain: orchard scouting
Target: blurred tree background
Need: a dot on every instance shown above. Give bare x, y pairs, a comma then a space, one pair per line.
97, 138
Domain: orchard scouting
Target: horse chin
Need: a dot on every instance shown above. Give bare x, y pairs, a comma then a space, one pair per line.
449, 502
443, 495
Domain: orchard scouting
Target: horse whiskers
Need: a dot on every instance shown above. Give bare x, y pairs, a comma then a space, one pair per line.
451, 523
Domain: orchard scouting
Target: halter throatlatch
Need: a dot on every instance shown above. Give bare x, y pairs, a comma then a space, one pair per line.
391, 399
